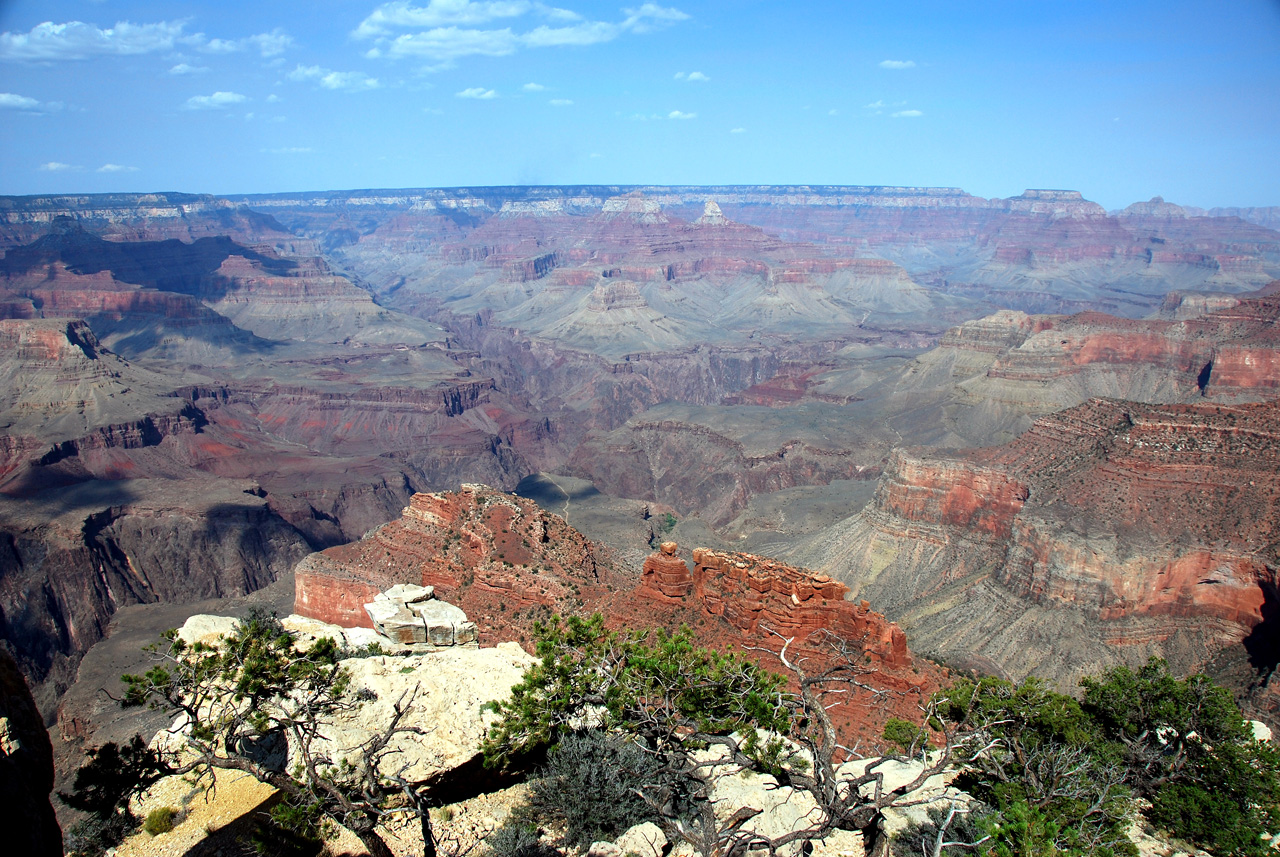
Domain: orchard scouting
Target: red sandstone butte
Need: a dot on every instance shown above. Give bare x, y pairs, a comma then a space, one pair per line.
763, 599
499, 557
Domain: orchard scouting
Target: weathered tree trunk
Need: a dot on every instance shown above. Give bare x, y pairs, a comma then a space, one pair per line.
373, 842
428, 835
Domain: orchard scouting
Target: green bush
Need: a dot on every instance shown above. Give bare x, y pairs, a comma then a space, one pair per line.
160, 820
290, 829
591, 784
964, 831
903, 734
1187, 747
518, 839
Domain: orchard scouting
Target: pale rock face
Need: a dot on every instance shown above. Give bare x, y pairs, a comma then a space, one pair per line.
449, 690
711, 215
308, 630
643, 840
203, 628
409, 615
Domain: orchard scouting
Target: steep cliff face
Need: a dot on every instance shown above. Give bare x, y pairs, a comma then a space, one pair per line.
26, 769
1148, 529
64, 571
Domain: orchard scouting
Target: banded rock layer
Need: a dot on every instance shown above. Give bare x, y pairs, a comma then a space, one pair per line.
1107, 533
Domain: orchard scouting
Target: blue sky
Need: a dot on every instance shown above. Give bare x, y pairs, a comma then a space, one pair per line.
1120, 100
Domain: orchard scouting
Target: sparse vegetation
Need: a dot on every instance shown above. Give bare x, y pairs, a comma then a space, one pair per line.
592, 785
257, 686
160, 820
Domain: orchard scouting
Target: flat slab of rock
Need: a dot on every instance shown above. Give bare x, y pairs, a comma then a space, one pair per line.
207, 629
450, 690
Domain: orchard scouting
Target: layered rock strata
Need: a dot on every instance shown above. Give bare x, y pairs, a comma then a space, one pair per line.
492, 554
1112, 531
762, 597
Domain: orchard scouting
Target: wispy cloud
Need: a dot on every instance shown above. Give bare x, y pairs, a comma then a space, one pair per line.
445, 31
693, 76
437, 13
58, 167
560, 102
737, 130
13, 101
342, 81
533, 87
270, 44
680, 114
875, 105
290, 150
183, 68
907, 114
833, 112
76, 40
897, 64
217, 101
116, 168
478, 92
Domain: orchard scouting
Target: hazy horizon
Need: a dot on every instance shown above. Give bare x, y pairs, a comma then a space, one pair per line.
1175, 100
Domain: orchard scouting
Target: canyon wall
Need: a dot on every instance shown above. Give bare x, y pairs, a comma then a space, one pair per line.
1107, 533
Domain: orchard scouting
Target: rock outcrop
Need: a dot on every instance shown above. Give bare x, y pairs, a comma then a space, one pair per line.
409, 615
759, 597
492, 554
665, 575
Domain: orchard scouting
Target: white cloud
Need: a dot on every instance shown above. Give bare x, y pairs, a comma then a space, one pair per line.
833, 112
678, 114
116, 168
273, 98
11, 101
875, 105
478, 92
907, 114
76, 40
737, 130
897, 63
222, 46
694, 76
290, 150
444, 45
217, 101
270, 44
437, 13
56, 167
273, 43
184, 68
343, 81
447, 30
560, 102
533, 87
596, 155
